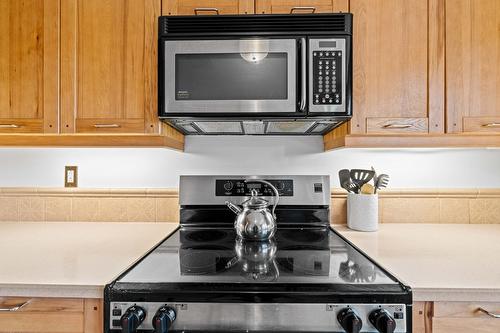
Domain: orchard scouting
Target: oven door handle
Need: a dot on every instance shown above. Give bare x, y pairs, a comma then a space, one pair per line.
303, 80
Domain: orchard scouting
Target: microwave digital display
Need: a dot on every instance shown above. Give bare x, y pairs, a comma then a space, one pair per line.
328, 44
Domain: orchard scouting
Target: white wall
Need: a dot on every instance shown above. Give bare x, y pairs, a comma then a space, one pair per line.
119, 167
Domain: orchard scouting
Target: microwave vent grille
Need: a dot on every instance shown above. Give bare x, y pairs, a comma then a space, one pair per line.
251, 24
280, 127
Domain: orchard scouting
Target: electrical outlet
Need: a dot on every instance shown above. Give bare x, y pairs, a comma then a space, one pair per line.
70, 176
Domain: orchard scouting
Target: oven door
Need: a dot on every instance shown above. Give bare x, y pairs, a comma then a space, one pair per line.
229, 76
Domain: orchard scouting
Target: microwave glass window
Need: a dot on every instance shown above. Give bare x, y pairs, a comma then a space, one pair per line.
231, 76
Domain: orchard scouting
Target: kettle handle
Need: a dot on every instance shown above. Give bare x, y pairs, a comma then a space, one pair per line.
276, 193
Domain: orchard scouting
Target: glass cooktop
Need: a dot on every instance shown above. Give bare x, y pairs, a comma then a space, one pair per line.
304, 256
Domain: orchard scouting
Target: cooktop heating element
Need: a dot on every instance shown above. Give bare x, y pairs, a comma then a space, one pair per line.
307, 278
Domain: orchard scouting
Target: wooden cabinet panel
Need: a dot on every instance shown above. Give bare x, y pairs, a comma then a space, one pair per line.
391, 59
464, 317
108, 66
300, 6
29, 66
472, 62
51, 315
192, 7
382, 125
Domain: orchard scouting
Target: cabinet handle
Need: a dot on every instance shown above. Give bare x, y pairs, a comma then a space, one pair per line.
196, 10
491, 314
9, 126
312, 9
397, 126
489, 125
107, 126
15, 307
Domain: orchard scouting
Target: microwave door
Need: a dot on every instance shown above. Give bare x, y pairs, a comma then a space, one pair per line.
230, 76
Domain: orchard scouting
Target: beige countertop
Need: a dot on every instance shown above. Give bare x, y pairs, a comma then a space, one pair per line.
59, 259
441, 262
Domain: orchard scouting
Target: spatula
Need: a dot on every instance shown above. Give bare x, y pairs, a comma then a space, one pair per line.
344, 178
360, 177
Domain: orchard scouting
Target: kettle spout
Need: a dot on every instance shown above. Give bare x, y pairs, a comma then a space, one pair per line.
233, 207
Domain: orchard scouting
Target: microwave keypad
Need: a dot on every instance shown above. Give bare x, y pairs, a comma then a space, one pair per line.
327, 77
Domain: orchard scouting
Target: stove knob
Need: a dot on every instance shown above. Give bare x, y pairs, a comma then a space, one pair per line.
163, 319
382, 321
349, 320
132, 318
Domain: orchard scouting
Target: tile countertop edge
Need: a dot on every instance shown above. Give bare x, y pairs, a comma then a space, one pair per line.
52, 291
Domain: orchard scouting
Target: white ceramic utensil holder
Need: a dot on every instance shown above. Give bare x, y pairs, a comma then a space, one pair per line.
362, 212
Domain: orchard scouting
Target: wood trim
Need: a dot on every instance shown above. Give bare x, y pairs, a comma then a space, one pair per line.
464, 140
67, 72
422, 317
436, 66
92, 316
170, 140
51, 13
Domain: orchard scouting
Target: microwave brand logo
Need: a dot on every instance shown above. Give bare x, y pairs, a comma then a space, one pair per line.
182, 94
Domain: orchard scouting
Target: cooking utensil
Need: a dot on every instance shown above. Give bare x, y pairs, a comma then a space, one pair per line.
381, 182
374, 176
255, 221
367, 189
360, 177
350, 186
344, 178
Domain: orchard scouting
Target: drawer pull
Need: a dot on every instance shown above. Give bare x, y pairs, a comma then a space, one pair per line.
397, 126
15, 307
491, 314
312, 9
107, 126
9, 126
196, 10
490, 125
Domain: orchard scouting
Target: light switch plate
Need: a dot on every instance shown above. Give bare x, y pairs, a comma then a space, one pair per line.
70, 176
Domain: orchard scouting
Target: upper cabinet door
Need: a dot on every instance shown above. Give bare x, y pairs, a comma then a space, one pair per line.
398, 66
300, 6
108, 66
207, 7
473, 65
29, 66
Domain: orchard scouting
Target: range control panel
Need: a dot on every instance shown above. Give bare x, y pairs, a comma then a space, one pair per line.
237, 187
327, 62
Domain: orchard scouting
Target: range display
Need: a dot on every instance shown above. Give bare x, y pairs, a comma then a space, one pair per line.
307, 278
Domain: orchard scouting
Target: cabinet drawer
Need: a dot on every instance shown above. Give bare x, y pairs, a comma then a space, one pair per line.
21, 126
482, 124
465, 317
211, 7
378, 125
41, 315
109, 126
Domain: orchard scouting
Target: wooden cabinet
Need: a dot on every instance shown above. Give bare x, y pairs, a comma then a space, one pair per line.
193, 7
462, 317
51, 315
300, 6
473, 65
108, 66
392, 91
29, 66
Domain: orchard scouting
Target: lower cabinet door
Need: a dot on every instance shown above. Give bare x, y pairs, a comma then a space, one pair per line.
50, 315
462, 317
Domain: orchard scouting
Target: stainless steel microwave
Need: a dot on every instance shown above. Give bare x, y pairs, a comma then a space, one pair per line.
255, 74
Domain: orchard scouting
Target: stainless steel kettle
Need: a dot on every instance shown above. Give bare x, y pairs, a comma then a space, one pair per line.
254, 221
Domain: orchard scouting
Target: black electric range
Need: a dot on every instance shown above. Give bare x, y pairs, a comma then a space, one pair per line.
307, 278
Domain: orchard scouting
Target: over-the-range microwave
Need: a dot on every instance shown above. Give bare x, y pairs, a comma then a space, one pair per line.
255, 74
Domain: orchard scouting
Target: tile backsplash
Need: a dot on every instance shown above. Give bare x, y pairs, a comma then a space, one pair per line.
161, 205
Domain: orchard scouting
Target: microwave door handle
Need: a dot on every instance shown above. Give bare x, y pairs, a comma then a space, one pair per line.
303, 81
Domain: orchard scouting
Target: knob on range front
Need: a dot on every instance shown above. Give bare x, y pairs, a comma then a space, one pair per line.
163, 319
382, 321
349, 320
132, 318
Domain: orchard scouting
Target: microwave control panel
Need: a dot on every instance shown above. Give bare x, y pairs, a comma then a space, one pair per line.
327, 75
